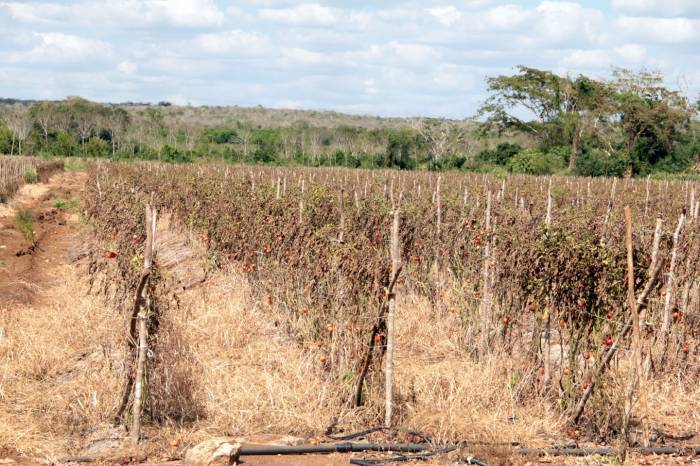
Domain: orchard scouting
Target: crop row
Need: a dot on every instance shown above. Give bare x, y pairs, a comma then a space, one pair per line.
516, 258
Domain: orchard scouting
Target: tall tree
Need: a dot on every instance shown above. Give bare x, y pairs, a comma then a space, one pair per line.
530, 101
648, 111
442, 138
19, 121
44, 114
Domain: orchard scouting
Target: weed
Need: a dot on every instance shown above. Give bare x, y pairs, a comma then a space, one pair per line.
24, 220
64, 204
30, 174
75, 165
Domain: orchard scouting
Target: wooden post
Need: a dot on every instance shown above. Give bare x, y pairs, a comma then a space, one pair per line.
548, 217
395, 247
666, 324
301, 202
655, 244
142, 319
439, 206
607, 356
646, 199
636, 368
665, 327
485, 304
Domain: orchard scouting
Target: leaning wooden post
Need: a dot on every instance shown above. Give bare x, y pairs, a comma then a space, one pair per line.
655, 244
666, 324
142, 318
607, 357
395, 248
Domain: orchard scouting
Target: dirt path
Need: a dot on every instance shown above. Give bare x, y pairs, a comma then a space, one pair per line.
26, 269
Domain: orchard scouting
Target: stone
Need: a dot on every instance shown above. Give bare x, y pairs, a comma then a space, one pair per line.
220, 451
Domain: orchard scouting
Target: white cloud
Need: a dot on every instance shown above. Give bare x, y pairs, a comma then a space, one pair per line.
58, 48
300, 56
447, 15
587, 59
121, 13
559, 22
184, 12
306, 14
395, 53
657, 7
659, 30
632, 53
231, 42
453, 77
127, 67
505, 17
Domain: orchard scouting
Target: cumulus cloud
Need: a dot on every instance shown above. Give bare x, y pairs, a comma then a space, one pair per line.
127, 67
120, 13
660, 30
587, 59
234, 42
558, 22
58, 48
310, 14
445, 15
631, 53
657, 7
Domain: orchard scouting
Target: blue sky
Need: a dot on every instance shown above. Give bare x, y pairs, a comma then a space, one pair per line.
383, 57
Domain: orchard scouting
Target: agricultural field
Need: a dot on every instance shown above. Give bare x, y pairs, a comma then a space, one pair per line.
172, 303
16, 171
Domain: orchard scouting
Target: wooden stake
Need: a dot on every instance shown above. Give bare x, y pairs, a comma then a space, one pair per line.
607, 356
636, 368
395, 269
143, 327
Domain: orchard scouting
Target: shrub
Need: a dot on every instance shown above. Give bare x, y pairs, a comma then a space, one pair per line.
680, 159
30, 174
170, 154
220, 135
96, 147
500, 155
64, 204
533, 162
5, 140
24, 221
597, 163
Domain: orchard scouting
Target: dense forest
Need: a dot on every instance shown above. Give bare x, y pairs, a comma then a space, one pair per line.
533, 121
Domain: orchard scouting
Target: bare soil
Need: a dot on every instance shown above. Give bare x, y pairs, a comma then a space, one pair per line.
26, 269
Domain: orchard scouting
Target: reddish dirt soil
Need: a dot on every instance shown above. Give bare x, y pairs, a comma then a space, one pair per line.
25, 270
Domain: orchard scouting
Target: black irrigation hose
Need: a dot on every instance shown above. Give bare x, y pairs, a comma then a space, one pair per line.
348, 447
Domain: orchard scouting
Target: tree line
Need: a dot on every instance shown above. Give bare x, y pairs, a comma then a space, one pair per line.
533, 121
630, 124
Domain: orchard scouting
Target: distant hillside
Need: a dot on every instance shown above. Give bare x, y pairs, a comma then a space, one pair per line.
218, 116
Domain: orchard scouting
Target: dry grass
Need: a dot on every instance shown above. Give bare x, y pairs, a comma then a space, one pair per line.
58, 371
251, 377
225, 365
